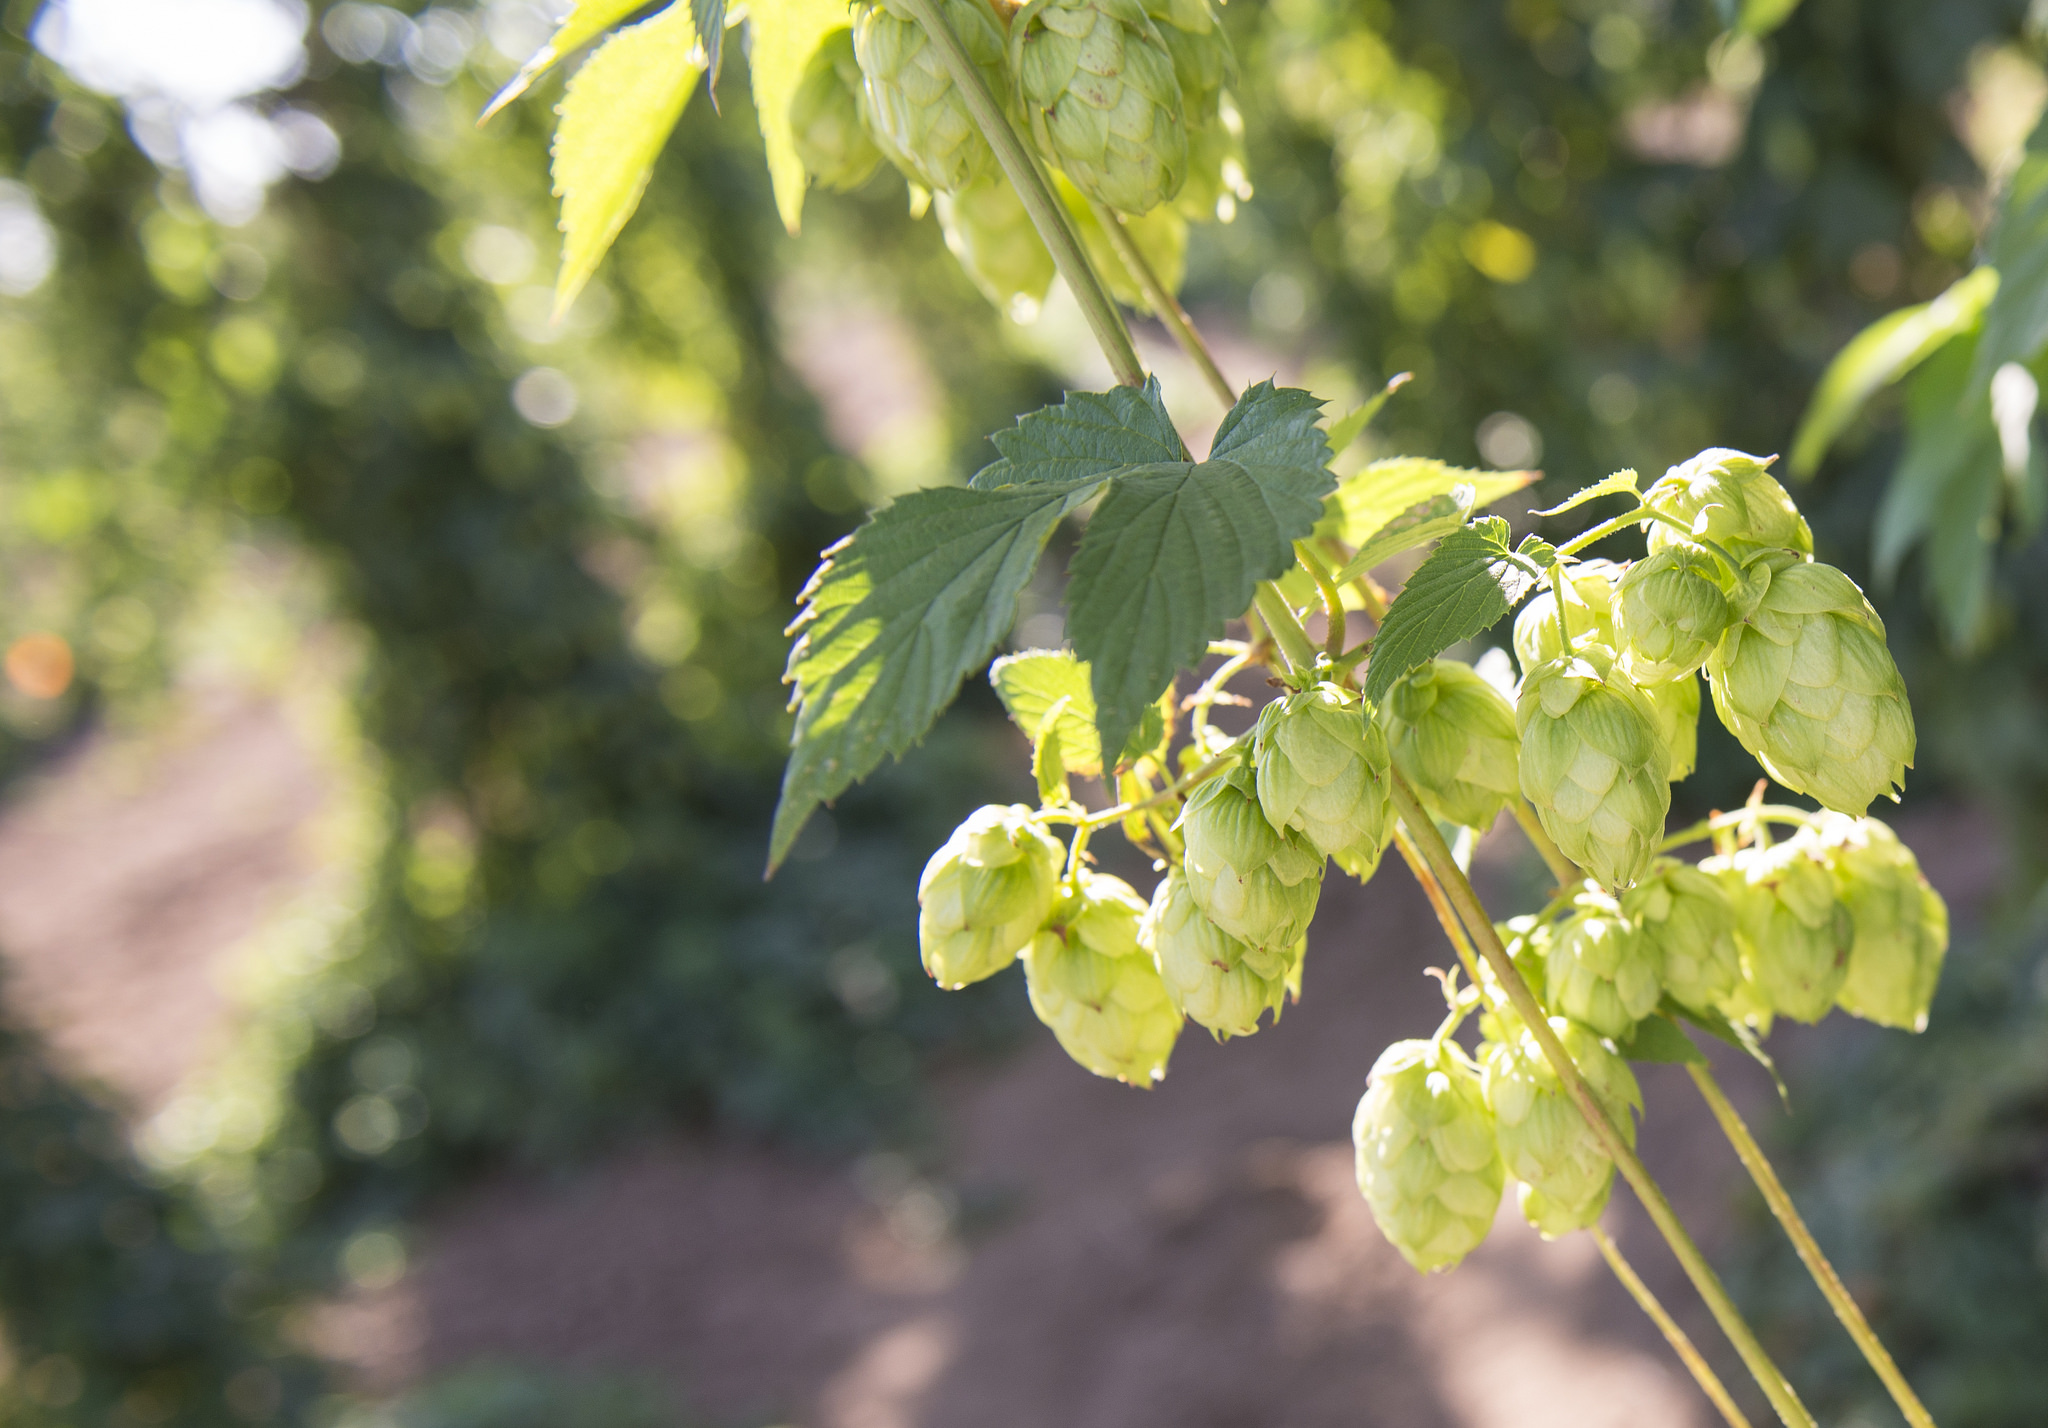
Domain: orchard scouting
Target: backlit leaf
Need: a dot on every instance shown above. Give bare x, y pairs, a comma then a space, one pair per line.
1033, 682
1089, 434
584, 23
1367, 500
1468, 583
785, 35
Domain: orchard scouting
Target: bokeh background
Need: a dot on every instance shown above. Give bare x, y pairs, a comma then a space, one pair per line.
397, 1030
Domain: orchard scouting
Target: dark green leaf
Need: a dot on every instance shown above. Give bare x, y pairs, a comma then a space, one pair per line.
1468, 583
710, 18
1089, 434
1656, 1039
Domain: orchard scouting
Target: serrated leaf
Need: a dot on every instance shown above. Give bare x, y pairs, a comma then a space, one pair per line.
1087, 435
1881, 354
616, 114
1468, 583
1658, 1040
1421, 523
897, 615
709, 17
1368, 499
584, 23
1048, 759
2016, 318
1033, 682
1615, 485
1349, 427
785, 35
1176, 549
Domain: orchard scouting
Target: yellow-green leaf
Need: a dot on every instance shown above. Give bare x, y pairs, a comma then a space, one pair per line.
617, 113
1367, 500
584, 23
786, 34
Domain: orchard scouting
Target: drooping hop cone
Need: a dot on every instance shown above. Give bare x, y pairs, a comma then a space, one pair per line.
985, 894
1256, 883
1203, 61
1545, 1143
1729, 498
1793, 931
988, 230
1323, 769
1096, 987
1218, 176
1527, 941
1594, 764
916, 109
1212, 978
1669, 612
1806, 684
1427, 1162
1453, 738
1099, 92
1901, 922
1600, 970
831, 132
1686, 917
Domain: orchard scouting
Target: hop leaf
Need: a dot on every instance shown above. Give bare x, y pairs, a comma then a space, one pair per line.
1731, 499
1901, 922
1101, 97
1258, 884
1600, 970
1322, 768
985, 894
1685, 915
1427, 1161
917, 110
1092, 983
1792, 929
1593, 764
1453, 737
1212, 978
1545, 1142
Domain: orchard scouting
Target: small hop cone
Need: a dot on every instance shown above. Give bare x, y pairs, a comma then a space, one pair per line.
1589, 609
1676, 704
1806, 684
988, 230
1670, 611
826, 118
1212, 978
1901, 922
1545, 1143
985, 893
1093, 984
1256, 883
1593, 764
1792, 929
1427, 1161
1527, 942
1731, 499
1100, 94
1453, 738
916, 109
1323, 768
1686, 916
1601, 971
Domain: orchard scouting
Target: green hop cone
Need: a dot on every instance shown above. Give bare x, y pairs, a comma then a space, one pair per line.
1676, 704
1093, 984
1594, 764
1527, 941
830, 131
1212, 978
985, 893
988, 230
1685, 915
1100, 94
1203, 61
1545, 1143
1729, 498
916, 109
1589, 609
1322, 768
1218, 179
1427, 1162
1792, 929
1600, 970
1453, 738
1669, 613
1256, 883
1901, 922
1806, 684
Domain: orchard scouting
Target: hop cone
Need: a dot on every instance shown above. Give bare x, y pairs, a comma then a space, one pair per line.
1684, 914
1256, 883
1160, 236
1601, 971
1806, 684
985, 893
1100, 93
1527, 940
916, 109
1218, 180
988, 230
1094, 986
1793, 931
1728, 498
1202, 58
1544, 1141
1212, 978
1677, 707
1669, 613
1594, 764
1589, 609
831, 134
1427, 1162
1453, 738
1322, 768
1901, 922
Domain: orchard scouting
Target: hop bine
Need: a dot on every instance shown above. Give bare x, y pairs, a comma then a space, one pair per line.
826, 118
1600, 970
985, 893
1901, 923
1427, 1161
1453, 737
1093, 984
1729, 498
1593, 764
1685, 916
1793, 931
1545, 1143
1099, 91
1255, 882
917, 111
1322, 769
1212, 978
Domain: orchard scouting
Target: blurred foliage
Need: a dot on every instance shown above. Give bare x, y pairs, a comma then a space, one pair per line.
511, 1396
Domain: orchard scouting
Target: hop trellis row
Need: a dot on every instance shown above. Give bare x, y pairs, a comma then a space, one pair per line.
1077, 139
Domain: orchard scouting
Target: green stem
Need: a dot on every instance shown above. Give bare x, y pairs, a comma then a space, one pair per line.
1438, 855
1761, 813
1562, 868
1047, 214
1709, 1381
1333, 603
1558, 587
1165, 306
1295, 645
1816, 1262
1605, 529
1433, 890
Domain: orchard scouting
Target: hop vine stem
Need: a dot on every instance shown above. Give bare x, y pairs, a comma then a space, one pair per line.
1681, 1344
1165, 306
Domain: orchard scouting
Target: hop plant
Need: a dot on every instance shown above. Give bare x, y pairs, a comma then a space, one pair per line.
1322, 768
1565, 1174
1100, 94
1793, 931
1256, 883
1901, 923
1218, 178
1729, 498
1212, 978
1669, 612
988, 230
1427, 1161
1593, 764
826, 119
985, 893
1527, 942
1685, 916
916, 109
1599, 969
1202, 58
1093, 984
1806, 684
1453, 738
